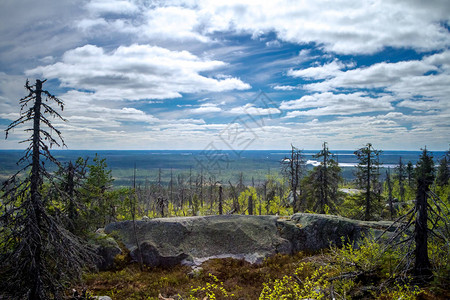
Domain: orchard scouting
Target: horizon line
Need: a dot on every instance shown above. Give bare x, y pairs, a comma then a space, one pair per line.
228, 150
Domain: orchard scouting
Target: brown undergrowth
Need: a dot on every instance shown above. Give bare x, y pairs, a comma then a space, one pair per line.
316, 276
238, 277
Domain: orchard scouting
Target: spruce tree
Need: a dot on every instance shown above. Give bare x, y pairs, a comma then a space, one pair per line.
367, 177
322, 182
401, 179
443, 171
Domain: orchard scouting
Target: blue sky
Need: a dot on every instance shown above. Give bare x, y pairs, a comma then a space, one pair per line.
227, 75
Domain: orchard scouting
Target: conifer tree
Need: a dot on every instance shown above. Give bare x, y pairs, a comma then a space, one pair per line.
322, 182
443, 171
367, 177
389, 188
37, 255
410, 173
401, 179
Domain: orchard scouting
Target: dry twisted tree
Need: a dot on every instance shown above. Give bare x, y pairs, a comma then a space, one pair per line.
38, 256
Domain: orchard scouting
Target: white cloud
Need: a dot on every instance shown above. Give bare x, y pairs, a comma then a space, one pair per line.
328, 70
250, 109
99, 7
136, 72
285, 87
375, 76
341, 26
321, 104
425, 105
205, 108
408, 81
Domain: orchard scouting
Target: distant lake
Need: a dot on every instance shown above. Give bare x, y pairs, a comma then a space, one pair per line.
222, 165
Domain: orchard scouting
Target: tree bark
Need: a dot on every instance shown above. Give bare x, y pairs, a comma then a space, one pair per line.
220, 201
422, 266
250, 205
36, 205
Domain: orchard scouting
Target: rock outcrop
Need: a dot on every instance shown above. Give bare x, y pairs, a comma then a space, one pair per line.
314, 232
192, 240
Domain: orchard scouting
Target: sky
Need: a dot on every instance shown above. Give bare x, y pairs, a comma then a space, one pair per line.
232, 75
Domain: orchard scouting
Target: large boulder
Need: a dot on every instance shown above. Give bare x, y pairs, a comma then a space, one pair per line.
192, 240
314, 232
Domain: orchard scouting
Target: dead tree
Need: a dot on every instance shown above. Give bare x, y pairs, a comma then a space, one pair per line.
250, 205
133, 203
220, 200
38, 256
389, 187
424, 177
427, 219
293, 168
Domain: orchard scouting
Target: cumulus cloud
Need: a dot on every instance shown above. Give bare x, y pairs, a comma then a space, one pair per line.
205, 109
252, 110
321, 104
328, 70
136, 72
285, 87
344, 27
408, 81
99, 7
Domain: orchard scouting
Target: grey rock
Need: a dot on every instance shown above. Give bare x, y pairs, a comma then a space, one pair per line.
107, 249
193, 240
313, 232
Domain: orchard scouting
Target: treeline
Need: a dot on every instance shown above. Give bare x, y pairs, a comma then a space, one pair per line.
293, 189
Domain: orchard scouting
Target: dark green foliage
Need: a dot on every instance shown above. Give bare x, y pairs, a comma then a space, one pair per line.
400, 176
443, 172
367, 178
410, 173
97, 195
70, 178
322, 183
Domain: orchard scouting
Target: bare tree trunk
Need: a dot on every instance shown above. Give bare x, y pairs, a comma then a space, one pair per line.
266, 198
36, 203
422, 266
72, 211
133, 216
250, 205
389, 186
367, 214
220, 201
